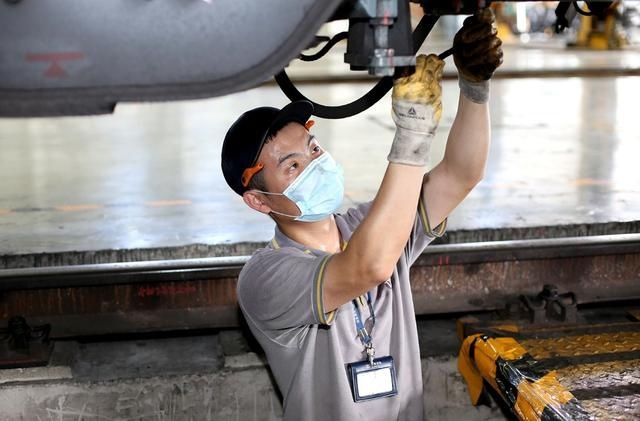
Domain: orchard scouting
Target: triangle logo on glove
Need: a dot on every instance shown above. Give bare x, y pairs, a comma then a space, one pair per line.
412, 111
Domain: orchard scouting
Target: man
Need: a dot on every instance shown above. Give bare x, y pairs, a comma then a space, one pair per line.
329, 298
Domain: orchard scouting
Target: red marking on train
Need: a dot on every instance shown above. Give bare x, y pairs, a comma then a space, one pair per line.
443, 260
166, 290
55, 69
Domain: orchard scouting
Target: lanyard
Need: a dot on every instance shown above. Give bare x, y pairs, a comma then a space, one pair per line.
365, 337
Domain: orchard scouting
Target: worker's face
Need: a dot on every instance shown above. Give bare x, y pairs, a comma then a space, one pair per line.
284, 158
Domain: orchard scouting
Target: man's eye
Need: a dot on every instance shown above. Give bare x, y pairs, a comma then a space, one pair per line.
316, 149
294, 166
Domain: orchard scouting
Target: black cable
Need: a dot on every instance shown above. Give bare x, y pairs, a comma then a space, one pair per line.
329, 45
562, 22
342, 111
374, 95
581, 11
446, 53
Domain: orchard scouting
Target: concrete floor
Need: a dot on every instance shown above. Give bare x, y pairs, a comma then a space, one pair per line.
564, 152
149, 379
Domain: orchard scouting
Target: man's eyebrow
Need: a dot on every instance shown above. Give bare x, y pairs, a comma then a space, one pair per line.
287, 156
310, 139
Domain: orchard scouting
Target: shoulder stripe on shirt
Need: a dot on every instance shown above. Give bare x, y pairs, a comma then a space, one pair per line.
323, 317
439, 230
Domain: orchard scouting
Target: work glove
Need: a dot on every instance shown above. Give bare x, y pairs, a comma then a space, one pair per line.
417, 107
477, 54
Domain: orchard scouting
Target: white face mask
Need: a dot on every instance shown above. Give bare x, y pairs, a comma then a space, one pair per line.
317, 191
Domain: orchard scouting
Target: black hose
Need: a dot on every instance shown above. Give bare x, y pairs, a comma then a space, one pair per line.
446, 53
328, 46
367, 100
580, 10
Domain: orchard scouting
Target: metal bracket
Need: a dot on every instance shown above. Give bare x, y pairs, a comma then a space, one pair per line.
22, 345
372, 45
548, 306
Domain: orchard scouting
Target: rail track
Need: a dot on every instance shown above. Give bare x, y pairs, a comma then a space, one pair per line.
200, 293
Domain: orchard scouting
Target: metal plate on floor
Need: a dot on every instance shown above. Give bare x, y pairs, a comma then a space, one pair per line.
579, 371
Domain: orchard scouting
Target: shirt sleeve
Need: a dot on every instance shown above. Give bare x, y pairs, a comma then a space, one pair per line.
421, 234
282, 289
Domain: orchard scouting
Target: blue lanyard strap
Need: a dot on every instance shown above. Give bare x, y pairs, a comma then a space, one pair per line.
364, 336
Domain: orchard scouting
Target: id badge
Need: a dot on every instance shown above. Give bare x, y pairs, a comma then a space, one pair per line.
373, 381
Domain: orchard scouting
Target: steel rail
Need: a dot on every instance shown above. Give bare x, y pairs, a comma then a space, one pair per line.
222, 267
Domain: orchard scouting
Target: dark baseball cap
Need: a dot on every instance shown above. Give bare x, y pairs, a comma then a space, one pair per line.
245, 138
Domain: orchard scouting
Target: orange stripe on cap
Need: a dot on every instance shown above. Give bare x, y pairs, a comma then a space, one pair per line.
309, 124
248, 174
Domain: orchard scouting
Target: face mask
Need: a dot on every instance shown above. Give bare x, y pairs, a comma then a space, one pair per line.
317, 191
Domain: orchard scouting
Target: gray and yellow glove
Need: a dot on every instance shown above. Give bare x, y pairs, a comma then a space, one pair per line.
477, 54
417, 108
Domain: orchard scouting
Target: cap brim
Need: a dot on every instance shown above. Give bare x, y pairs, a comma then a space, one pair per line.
295, 112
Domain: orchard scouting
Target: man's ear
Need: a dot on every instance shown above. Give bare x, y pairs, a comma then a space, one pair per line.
256, 201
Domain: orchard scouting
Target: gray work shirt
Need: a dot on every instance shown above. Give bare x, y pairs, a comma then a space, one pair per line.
280, 294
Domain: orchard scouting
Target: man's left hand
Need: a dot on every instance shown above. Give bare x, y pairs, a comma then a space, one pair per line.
477, 48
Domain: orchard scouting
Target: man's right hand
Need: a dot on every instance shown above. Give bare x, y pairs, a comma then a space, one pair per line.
417, 108
379, 241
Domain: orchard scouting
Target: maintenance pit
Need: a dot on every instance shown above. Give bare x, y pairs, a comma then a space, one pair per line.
120, 245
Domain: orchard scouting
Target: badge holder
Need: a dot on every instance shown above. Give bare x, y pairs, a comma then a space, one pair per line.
373, 379
376, 377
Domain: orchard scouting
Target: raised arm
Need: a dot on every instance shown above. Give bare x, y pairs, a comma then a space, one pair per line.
376, 245
477, 55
